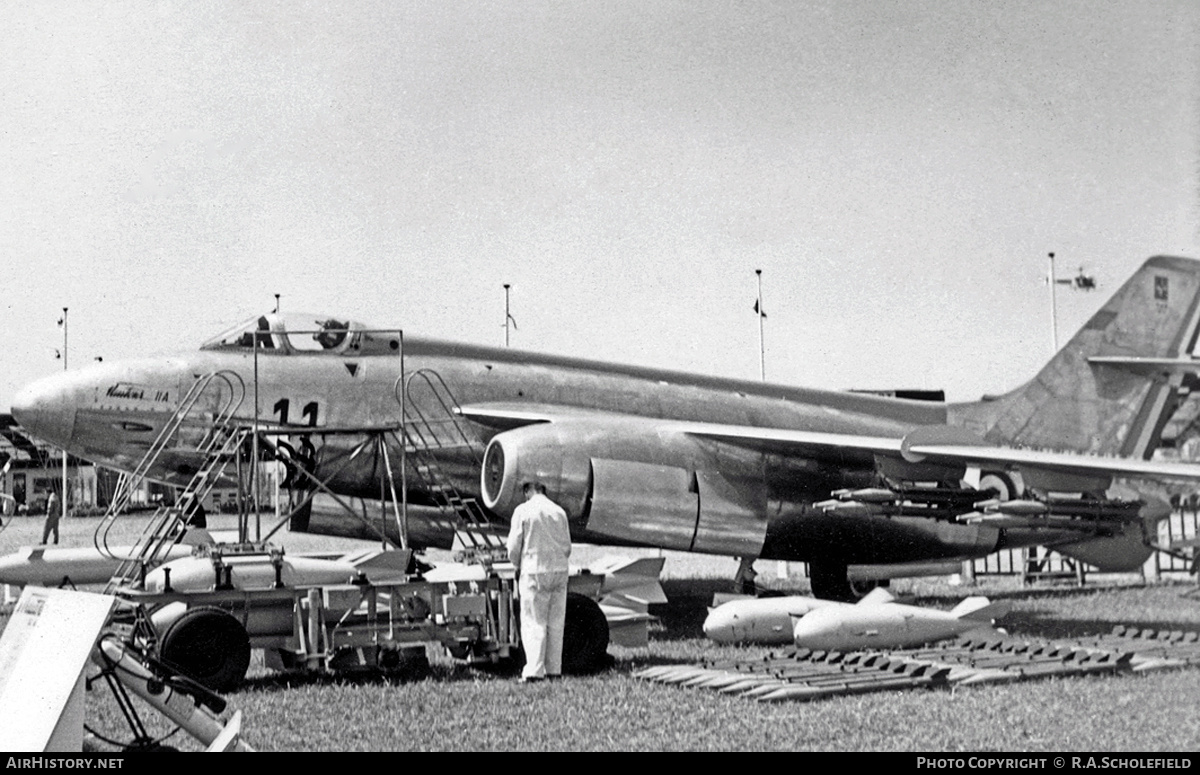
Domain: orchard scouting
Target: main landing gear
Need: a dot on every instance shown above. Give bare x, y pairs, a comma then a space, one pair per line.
830, 581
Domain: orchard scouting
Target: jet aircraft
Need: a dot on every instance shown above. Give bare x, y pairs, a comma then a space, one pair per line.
646, 457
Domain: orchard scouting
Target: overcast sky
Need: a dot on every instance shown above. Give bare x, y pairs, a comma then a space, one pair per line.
898, 171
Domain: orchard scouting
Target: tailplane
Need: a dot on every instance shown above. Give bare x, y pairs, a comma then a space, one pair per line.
1087, 398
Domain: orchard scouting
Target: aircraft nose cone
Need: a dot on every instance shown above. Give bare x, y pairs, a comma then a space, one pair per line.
46, 409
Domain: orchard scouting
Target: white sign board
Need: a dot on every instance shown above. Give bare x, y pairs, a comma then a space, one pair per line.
43, 652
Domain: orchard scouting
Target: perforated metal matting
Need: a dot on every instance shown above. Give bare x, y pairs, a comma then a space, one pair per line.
798, 674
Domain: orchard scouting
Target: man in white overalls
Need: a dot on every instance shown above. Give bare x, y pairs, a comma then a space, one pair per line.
539, 545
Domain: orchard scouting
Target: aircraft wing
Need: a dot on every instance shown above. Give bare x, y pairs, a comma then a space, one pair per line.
937, 445
507, 416
949, 446
1063, 462
782, 440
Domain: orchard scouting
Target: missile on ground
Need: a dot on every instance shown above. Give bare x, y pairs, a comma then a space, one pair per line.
884, 625
875, 622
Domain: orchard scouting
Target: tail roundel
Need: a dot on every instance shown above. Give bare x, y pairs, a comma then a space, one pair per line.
1100, 394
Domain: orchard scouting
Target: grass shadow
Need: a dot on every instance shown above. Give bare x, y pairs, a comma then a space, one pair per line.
688, 600
439, 672
947, 599
441, 669
1041, 623
682, 616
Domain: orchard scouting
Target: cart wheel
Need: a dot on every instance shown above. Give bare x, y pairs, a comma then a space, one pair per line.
585, 639
410, 661
209, 646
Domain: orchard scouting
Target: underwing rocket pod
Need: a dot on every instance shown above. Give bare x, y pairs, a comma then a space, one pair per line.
870, 624
766, 620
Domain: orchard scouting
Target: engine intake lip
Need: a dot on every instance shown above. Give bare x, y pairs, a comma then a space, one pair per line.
493, 473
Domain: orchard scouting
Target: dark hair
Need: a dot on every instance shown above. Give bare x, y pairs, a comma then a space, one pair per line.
532, 486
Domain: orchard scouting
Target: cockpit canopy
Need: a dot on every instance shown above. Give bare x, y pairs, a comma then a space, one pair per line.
289, 333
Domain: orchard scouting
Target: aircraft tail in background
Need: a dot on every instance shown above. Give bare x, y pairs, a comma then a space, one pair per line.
1089, 398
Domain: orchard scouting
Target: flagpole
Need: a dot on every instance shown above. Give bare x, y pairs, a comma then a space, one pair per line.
782, 569
64, 460
762, 352
1053, 310
507, 317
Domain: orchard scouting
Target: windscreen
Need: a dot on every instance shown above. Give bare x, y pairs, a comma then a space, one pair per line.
306, 333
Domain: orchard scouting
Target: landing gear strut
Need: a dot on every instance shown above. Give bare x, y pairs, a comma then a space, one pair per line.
743, 580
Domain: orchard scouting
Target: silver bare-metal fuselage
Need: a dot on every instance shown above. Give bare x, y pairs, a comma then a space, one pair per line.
639, 456
760, 502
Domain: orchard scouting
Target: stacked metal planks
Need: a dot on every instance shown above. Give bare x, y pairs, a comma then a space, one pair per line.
797, 674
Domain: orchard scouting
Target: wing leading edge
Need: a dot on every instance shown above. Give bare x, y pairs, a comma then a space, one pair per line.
937, 445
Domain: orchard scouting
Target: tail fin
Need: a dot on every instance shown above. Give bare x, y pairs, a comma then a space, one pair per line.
1078, 405
980, 609
877, 596
631, 582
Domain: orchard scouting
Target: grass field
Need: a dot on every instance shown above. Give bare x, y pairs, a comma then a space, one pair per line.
457, 708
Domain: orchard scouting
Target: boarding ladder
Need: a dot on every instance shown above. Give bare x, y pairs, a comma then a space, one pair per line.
218, 445
431, 433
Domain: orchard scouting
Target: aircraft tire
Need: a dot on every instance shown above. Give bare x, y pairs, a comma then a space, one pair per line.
585, 638
209, 646
862, 587
829, 582
1005, 487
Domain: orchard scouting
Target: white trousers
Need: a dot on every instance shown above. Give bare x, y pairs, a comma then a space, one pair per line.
543, 619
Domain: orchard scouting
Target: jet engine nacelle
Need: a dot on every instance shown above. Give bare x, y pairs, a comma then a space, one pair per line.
625, 483
542, 453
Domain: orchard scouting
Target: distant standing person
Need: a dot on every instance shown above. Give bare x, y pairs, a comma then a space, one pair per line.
539, 545
53, 512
